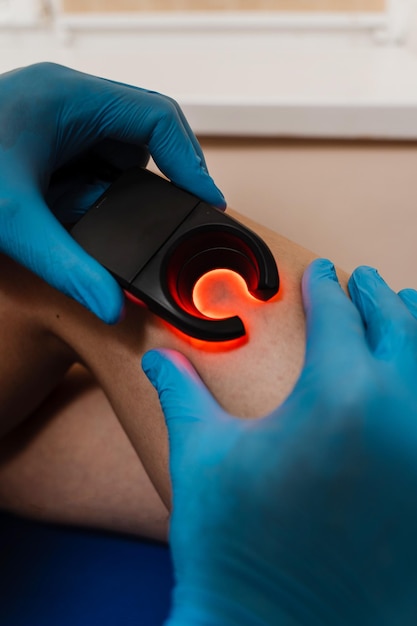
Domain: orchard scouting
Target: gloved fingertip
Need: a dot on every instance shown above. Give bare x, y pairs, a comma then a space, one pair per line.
408, 294
221, 203
361, 279
365, 272
213, 194
102, 296
372, 296
122, 314
409, 298
110, 311
321, 269
325, 268
168, 368
151, 363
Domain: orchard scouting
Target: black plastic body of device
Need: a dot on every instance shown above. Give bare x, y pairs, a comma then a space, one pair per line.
157, 240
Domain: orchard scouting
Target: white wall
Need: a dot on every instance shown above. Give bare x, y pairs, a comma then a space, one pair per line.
355, 203
259, 75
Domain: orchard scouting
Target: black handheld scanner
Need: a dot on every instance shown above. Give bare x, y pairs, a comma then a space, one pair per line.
157, 240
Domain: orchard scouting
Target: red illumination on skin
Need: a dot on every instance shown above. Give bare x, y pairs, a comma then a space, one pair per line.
219, 294
223, 293
208, 346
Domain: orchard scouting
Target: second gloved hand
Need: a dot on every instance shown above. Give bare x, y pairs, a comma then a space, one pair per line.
306, 517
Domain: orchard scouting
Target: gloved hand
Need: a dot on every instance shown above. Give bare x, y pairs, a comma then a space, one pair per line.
62, 134
308, 516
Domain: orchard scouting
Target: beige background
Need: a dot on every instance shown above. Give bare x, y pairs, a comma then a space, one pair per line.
228, 5
353, 202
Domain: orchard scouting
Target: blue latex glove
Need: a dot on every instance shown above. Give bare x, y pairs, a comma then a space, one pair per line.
62, 134
309, 515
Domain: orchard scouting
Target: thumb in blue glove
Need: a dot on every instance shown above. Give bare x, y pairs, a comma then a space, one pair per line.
308, 515
56, 124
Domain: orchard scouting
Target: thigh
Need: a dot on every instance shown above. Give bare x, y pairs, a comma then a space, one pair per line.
63, 455
72, 463
33, 361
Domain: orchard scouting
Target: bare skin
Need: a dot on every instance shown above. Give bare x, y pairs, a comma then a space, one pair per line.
86, 444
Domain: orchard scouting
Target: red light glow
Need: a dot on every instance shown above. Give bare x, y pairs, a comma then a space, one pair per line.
207, 346
133, 299
221, 293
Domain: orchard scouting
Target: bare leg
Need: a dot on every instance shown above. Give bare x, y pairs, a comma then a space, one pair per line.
71, 462
248, 381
